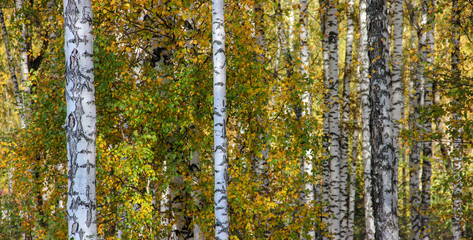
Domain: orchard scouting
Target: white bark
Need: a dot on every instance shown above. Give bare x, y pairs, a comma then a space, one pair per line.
24, 48
326, 131
397, 98
416, 147
81, 119
333, 108
196, 195
222, 222
345, 133
164, 203
383, 158
456, 146
306, 160
365, 121
352, 188
428, 25
325, 216
260, 164
414, 153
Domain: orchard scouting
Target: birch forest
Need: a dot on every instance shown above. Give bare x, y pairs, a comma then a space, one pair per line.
236, 119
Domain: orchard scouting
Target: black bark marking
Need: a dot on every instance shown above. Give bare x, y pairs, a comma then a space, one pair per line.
75, 227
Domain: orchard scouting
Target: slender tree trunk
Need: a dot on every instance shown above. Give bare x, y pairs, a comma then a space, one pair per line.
164, 203
14, 79
325, 218
260, 163
25, 45
196, 195
414, 154
428, 25
345, 128
222, 221
260, 154
352, 188
81, 119
457, 141
396, 85
307, 195
365, 121
416, 148
383, 159
333, 108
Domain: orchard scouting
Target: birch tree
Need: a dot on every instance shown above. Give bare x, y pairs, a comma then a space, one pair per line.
81, 119
260, 164
325, 218
396, 86
222, 222
365, 120
306, 159
427, 49
331, 85
345, 134
456, 146
416, 78
383, 158
25, 47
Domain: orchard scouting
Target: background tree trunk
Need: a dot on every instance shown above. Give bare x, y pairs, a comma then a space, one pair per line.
428, 25
456, 148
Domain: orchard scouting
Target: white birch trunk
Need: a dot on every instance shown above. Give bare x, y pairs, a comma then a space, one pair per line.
260, 164
352, 188
345, 133
428, 25
196, 195
24, 48
383, 158
416, 147
81, 119
397, 98
306, 160
222, 222
414, 162
331, 76
456, 146
164, 203
365, 121
326, 217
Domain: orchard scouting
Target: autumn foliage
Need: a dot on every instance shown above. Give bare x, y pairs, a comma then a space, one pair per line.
153, 75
